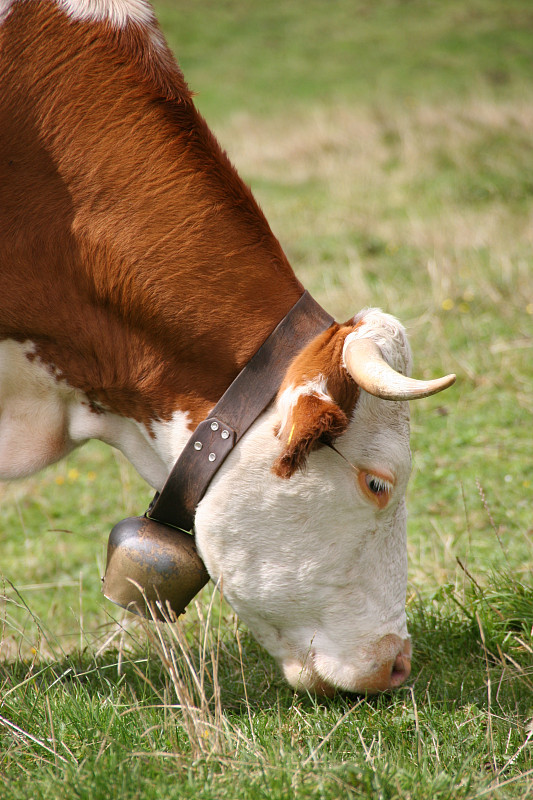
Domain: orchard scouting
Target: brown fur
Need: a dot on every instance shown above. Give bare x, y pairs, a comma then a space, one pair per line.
133, 255
315, 421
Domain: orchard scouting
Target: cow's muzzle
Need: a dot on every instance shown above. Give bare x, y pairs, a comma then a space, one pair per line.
384, 666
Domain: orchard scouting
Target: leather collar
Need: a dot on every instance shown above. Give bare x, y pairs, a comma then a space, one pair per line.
251, 392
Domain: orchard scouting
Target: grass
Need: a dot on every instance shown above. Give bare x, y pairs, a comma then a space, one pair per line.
389, 144
173, 709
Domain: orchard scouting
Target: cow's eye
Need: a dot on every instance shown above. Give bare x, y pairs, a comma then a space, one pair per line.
377, 488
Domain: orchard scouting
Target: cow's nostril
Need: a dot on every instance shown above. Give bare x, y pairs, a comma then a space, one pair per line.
401, 669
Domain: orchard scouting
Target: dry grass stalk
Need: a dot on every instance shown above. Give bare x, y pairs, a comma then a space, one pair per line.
192, 680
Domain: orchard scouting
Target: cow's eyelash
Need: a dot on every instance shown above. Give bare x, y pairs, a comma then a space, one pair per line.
378, 485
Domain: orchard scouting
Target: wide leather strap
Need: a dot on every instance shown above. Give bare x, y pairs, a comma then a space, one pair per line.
251, 392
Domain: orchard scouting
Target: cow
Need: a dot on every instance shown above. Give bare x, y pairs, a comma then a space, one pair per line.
138, 277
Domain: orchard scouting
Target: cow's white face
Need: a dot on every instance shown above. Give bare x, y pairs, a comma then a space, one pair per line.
316, 564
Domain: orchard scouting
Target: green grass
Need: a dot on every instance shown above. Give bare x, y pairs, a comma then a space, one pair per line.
111, 725
390, 146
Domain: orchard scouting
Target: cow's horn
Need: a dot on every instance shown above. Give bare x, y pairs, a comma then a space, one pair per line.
365, 363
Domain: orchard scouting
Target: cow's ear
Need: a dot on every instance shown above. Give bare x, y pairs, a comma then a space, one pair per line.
316, 400
313, 422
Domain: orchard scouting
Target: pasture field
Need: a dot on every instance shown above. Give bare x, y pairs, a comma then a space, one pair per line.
390, 146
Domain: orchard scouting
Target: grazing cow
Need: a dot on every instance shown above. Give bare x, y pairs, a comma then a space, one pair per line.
138, 276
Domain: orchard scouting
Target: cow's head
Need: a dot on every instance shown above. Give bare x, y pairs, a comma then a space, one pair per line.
305, 524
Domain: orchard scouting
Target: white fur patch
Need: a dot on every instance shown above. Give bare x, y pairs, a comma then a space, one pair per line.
5, 8
170, 439
117, 12
42, 419
290, 396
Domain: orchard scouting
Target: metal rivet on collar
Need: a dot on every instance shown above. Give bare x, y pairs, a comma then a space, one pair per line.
214, 427
211, 456
198, 445
225, 434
